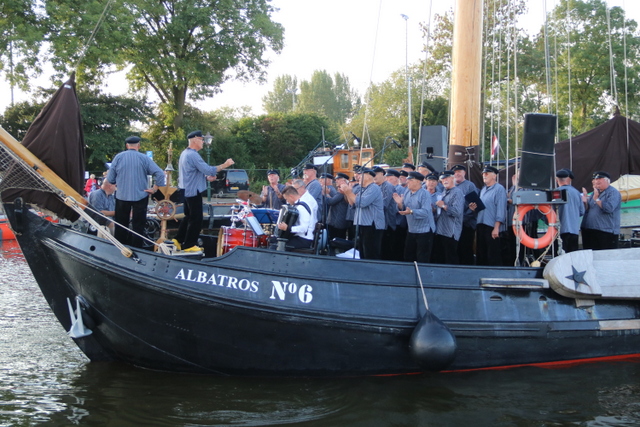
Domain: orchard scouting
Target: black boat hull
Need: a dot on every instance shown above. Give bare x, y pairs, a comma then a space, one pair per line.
259, 312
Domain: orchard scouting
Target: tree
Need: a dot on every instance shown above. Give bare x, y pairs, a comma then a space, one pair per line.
331, 97
107, 121
282, 99
385, 113
585, 85
175, 48
21, 34
280, 140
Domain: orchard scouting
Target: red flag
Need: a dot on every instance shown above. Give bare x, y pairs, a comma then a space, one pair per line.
495, 144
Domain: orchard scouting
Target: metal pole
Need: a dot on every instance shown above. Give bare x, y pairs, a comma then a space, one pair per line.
406, 24
208, 150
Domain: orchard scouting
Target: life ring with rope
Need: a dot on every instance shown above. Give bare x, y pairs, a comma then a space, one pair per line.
528, 241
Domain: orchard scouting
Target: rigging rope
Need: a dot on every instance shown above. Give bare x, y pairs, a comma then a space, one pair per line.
612, 69
424, 73
83, 51
570, 107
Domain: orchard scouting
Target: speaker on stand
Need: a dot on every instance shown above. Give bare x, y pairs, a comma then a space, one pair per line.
537, 161
433, 146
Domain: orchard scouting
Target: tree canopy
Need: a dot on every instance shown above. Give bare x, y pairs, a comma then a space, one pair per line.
177, 49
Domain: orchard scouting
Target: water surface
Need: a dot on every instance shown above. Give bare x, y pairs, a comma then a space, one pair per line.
45, 380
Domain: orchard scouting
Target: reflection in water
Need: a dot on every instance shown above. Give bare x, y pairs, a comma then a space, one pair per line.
44, 379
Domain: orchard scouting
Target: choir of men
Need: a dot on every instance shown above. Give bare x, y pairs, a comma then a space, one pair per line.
391, 218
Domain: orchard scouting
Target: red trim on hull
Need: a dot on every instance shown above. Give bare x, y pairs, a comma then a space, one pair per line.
558, 364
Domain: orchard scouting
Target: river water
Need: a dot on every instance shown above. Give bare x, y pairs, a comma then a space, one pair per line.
45, 380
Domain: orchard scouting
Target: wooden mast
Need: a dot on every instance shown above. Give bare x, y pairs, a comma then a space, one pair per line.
466, 76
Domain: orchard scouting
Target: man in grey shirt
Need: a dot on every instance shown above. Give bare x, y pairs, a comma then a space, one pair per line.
129, 170
194, 173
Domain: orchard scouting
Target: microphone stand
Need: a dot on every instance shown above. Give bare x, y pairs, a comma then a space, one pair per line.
358, 201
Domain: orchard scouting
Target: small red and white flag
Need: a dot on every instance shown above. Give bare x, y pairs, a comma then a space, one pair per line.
495, 144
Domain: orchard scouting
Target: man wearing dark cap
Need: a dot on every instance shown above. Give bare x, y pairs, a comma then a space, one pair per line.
272, 197
398, 238
491, 219
449, 211
469, 220
129, 170
415, 204
314, 188
431, 185
368, 214
194, 174
334, 199
403, 178
390, 210
408, 167
425, 168
570, 212
601, 221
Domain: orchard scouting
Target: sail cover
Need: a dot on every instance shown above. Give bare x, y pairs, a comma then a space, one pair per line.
56, 138
604, 148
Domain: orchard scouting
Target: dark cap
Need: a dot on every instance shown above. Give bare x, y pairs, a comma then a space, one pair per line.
404, 173
409, 165
342, 175
273, 172
132, 140
378, 169
432, 176
427, 166
357, 168
392, 172
459, 168
309, 166
446, 174
369, 171
489, 169
194, 134
416, 175
564, 173
601, 174
326, 175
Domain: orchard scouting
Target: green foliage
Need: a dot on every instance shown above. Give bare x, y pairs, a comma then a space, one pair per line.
176, 48
279, 140
107, 121
21, 34
386, 114
331, 97
282, 99
582, 34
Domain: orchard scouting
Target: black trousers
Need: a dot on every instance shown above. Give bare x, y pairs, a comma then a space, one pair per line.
137, 212
369, 241
418, 247
488, 249
334, 232
465, 246
447, 250
191, 224
569, 242
596, 239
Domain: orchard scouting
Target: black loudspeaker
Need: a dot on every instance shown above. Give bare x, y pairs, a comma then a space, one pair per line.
536, 167
433, 146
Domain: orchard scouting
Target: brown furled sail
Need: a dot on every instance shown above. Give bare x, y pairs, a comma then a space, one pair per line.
56, 138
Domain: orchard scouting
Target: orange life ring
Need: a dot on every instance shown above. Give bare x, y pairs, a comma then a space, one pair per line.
543, 241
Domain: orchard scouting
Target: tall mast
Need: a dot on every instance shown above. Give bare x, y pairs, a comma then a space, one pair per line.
466, 74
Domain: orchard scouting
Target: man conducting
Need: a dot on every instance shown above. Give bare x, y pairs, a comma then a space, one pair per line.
194, 173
